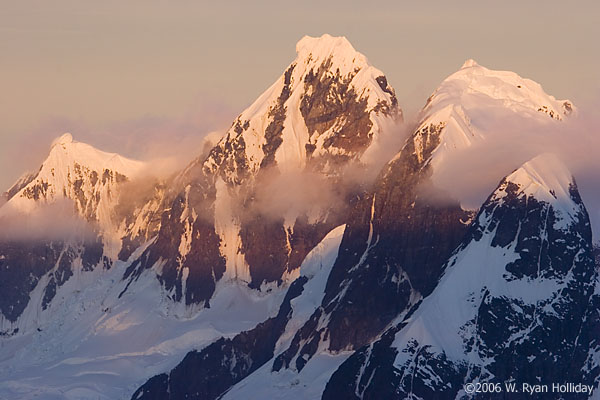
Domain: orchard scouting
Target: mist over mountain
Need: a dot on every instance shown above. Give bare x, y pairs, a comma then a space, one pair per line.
324, 246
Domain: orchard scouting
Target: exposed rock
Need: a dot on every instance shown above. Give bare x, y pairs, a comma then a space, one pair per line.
23, 265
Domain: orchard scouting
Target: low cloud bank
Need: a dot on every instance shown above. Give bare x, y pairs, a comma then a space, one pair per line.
56, 221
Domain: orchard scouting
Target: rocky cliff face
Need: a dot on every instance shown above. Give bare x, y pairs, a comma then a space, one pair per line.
323, 116
511, 306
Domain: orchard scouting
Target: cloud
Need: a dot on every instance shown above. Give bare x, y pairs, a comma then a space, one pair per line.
54, 221
290, 194
471, 174
388, 143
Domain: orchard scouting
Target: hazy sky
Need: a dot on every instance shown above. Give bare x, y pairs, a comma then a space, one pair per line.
121, 74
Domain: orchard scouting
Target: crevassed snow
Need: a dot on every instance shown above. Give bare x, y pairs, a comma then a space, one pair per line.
93, 344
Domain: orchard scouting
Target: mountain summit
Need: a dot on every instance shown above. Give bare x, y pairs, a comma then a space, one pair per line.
471, 103
327, 107
78, 172
320, 119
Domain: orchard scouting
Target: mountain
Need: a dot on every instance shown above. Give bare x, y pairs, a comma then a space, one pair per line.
512, 305
17, 186
56, 222
78, 173
324, 119
471, 101
401, 232
307, 254
68, 327
399, 236
282, 171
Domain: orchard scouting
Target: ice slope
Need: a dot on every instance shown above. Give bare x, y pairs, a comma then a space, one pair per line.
289, 385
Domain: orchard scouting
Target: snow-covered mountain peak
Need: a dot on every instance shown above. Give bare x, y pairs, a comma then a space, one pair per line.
338, 57
469, 63
545, 177
476, 103
330, 103
325, 41
64, 139
546, 180
324, 116
318, 49
64, 151
80, 173
474, 82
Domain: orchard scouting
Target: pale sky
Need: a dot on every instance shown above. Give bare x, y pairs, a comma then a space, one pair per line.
122, 74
